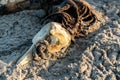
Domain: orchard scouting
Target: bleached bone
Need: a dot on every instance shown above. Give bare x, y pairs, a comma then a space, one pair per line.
56, 33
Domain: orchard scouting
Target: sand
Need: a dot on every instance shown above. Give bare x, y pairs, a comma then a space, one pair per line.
91, 58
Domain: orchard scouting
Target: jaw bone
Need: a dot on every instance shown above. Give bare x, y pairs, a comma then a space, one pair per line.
59, 39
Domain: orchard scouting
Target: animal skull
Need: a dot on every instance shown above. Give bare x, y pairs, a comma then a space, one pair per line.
55, 39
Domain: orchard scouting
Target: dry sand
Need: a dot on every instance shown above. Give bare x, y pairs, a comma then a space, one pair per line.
92, 58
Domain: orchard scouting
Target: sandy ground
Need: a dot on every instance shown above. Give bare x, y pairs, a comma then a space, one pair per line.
92, 58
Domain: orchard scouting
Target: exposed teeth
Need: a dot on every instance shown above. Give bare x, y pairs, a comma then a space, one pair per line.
59, 38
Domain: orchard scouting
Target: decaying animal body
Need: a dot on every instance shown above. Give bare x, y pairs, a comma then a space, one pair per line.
68, 19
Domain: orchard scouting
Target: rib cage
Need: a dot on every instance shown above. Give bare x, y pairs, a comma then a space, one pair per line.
77, 16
